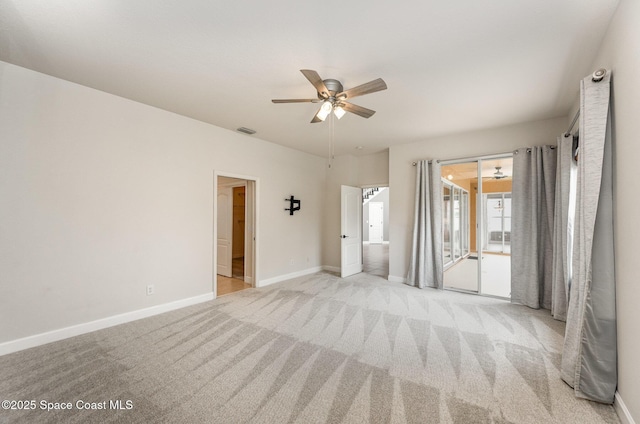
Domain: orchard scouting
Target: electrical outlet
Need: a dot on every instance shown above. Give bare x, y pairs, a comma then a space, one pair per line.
291, 262
151, 289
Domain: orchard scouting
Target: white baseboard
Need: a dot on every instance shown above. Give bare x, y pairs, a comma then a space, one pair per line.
289, 276
622, 411
396, 279
87, 327
331, 268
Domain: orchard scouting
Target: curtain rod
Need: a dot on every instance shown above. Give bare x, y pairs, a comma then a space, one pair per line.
575, 118
429, 161
469, 159
596, 77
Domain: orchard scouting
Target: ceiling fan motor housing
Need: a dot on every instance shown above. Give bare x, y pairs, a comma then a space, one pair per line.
334, 87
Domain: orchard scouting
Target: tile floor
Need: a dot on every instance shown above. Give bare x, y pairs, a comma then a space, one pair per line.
496, 275
375, 259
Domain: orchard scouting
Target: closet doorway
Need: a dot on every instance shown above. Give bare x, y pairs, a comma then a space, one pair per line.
234, 234
476, 205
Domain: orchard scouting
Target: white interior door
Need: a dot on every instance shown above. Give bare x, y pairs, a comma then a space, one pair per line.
225, 230
351, 231
376, 222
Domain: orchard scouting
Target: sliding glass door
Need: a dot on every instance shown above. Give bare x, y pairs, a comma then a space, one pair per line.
495, 237
497, 226
477, 225
446, 225
460, 271
456, 222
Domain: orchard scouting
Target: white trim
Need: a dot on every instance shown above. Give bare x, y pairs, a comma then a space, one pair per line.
331, 268
395, 279
88, 327
289, 276
621, 410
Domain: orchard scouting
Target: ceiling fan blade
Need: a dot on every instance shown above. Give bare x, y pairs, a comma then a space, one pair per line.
315, 117
296, 100
317, 82
358, 110
366, 88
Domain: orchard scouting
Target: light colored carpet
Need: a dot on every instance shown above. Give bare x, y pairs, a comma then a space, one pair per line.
316, 349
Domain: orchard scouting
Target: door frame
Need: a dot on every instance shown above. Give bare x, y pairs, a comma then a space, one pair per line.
251, 249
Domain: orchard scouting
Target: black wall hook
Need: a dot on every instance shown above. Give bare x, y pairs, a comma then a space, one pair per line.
294, 205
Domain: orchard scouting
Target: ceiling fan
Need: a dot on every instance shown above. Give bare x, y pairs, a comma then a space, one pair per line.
498, 175
334, 98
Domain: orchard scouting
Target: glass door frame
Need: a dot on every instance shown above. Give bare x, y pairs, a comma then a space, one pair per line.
479, 210
458, 244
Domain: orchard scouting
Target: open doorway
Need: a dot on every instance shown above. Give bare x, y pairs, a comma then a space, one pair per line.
235, 234
375, 231
477, 225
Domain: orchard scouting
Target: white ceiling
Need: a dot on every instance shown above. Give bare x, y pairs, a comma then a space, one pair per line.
450, 66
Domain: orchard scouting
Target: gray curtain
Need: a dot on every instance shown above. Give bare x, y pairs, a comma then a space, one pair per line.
563, 226
589, 355
425, 269
532, 213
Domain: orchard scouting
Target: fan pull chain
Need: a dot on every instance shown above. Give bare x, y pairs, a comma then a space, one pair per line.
332, 144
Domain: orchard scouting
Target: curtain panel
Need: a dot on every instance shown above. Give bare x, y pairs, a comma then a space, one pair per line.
532, 206
563, 226
589, 359
426, 266
562, 243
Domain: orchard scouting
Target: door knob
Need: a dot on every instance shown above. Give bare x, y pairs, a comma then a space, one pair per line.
343, 236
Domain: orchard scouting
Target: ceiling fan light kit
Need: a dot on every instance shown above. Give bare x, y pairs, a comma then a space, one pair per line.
339, 111
325, 110
333, 96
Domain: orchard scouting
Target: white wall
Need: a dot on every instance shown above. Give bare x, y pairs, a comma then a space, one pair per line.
373, 170
476, 143
100, 196
368, 170
620, 52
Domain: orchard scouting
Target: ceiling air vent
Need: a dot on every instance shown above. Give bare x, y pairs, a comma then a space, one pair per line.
246, 130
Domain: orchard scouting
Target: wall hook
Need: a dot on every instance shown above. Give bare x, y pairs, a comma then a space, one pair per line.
294, 205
